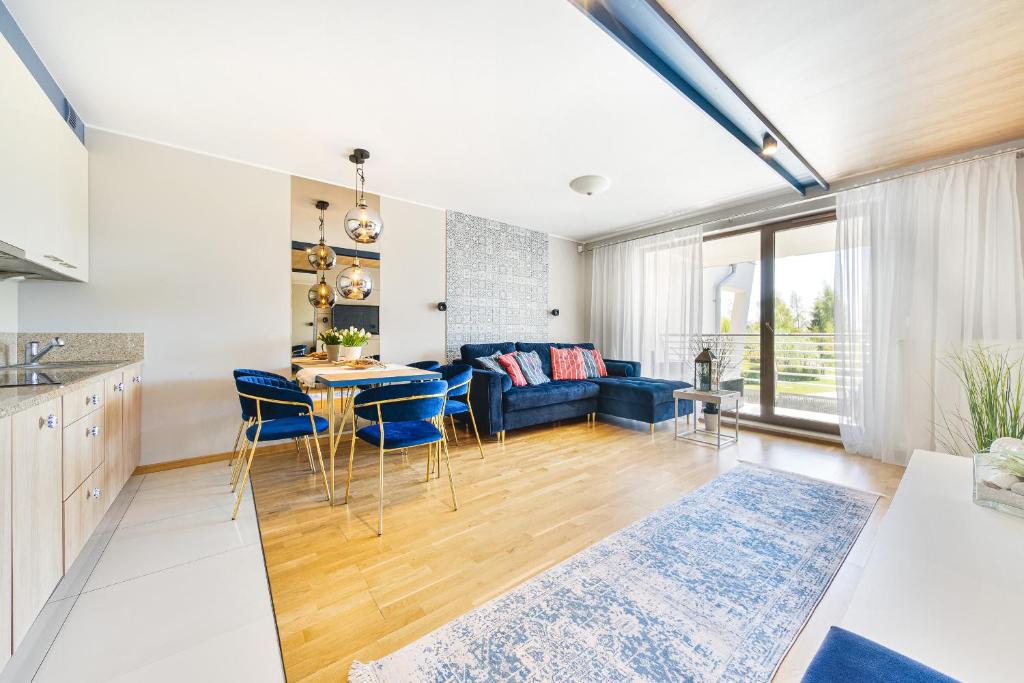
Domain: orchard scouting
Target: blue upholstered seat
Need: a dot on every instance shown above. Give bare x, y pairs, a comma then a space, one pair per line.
401, 434
248, 372
520, 398
286, 428
849, 658
644, 390
425, 364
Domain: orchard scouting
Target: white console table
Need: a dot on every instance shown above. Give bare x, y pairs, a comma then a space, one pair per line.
943, 582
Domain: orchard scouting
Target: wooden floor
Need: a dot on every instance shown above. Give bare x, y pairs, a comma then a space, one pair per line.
341, 593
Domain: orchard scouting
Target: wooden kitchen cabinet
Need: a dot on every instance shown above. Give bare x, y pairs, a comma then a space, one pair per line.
132, 418
83, 511
83, 449
6, 646
113, 435
37, 517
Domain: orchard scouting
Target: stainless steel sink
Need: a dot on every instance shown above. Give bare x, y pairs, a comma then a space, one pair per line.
43, 374
60, 365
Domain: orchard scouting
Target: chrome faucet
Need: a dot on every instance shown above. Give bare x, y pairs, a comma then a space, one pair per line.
33, 353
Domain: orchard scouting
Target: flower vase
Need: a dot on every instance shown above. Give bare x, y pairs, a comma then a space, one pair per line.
333, 352
352, 352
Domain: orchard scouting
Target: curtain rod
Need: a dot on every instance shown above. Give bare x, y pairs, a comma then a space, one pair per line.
796, 202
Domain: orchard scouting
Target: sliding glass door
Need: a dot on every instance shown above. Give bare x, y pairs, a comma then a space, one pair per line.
769, 315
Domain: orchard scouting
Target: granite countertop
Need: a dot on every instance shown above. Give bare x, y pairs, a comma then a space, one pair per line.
16, 399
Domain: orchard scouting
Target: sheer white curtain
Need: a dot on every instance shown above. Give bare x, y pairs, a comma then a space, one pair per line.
924, 265
646, 300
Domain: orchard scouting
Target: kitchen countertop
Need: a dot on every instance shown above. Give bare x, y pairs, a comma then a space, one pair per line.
16, 399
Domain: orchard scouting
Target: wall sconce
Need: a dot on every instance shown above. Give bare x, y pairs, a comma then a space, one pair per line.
442, 306
554, 312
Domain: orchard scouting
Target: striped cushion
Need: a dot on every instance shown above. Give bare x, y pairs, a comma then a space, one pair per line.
508, 362
589, 364
602, 371
491, 362
567, 364
529, 363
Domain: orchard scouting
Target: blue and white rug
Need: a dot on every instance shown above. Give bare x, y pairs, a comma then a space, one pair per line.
714, 587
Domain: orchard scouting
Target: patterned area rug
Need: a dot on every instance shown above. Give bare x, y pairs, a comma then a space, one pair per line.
714, 587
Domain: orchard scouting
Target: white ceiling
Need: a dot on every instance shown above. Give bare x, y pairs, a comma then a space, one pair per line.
492, 107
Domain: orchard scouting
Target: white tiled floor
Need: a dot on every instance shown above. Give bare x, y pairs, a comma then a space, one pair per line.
178, 593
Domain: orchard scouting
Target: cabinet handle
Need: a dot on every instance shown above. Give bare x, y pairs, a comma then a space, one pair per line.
137, 379
51, 421
119, 386
93, 400
96, 493
92, 431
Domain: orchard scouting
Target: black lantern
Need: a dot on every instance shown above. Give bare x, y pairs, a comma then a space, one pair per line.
703, 370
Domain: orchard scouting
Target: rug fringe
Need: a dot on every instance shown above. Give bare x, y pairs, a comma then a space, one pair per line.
362, 673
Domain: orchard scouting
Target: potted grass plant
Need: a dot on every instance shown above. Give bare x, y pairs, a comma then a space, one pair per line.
992, 426
331, 339
353, 341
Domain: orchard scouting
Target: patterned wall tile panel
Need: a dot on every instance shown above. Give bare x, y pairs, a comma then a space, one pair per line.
497, 282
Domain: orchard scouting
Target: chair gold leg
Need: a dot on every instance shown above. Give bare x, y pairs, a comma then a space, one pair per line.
323, 470
652, 428
455, 431
451, 480
238, 439
380, 502
351, 457
430, 454
479, 444
245, 478
236, 471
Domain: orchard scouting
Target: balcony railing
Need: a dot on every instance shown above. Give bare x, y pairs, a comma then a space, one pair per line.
805, 369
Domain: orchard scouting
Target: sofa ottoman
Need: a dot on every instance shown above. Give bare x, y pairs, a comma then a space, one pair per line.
640, 398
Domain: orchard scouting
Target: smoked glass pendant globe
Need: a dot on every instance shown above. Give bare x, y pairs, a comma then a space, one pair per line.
321, 295
321, 257
363, 224
354, 282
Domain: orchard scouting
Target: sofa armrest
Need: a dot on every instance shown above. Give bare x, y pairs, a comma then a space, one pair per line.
485, 396
622, 368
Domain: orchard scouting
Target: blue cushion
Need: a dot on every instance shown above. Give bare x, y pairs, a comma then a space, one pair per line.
401, 434
286, 428
471, 351
529, 363
455, 407
850, 658
489, 363
275, 390
518, 398
425, 364
401, 411
644, 390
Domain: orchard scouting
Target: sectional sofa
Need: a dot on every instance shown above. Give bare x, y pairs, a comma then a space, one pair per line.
499, 406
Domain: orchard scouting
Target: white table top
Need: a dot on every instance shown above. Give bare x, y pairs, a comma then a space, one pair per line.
322, 372
943, 582
705, 396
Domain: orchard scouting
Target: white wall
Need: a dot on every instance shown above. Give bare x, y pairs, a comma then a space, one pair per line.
567, 291
193, 252
413, 265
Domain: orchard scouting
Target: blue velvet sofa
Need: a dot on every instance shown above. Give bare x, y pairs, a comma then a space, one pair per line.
499, 406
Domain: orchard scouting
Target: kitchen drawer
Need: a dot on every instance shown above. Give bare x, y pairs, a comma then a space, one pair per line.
82, 401
83, 511
83, 450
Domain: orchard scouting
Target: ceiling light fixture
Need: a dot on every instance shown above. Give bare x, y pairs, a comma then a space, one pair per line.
769, 145
362, 223
354, 283
321, 257
321, 295
590, 184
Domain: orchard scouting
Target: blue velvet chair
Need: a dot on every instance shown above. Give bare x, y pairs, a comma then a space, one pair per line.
459, 377
425, 365
248, 418
403, 416
279, 412
849, 658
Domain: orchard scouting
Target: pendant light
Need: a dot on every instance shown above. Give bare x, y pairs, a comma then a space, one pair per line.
321, 295
321, 257
354, 283
362, 223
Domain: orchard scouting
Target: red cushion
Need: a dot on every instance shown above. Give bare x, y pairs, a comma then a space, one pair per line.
567, 364
508, 361
599, 362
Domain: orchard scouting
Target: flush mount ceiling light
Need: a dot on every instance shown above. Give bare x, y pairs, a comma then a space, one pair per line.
321, 257
769, 145
362, 223
590, 184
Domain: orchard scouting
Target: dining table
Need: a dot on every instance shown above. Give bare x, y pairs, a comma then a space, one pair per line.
344, 381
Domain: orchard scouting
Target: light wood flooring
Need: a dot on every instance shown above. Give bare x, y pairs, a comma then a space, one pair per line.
341, 593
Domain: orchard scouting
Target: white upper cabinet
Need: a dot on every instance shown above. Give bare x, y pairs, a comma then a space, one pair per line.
44, 175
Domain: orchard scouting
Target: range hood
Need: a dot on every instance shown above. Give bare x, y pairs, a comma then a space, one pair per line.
13, 264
